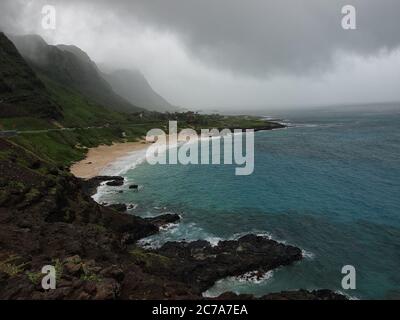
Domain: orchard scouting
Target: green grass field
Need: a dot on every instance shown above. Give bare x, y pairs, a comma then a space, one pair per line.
86, 124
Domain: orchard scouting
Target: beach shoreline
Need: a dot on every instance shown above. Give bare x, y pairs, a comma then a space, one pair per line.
99, 158
103, 157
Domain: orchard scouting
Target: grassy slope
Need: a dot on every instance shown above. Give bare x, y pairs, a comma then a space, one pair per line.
31, 101
94, 125
22, 94
66, 146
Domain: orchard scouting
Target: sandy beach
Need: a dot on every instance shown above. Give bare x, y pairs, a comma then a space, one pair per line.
102, 156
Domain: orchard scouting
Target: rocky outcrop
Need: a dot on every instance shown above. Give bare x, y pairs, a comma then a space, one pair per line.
46, 218
120, 207
287, 295
115, 183
90, 186
266, 127
164, 219
199, 264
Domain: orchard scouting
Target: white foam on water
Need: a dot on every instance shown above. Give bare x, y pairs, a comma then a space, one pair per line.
181, 231
347, 295
168, 226
307, 254
126, 163
258, 233
245, 280
102, 189
255, 277
132, 206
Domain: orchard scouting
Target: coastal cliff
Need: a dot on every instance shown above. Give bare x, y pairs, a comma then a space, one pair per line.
47, 217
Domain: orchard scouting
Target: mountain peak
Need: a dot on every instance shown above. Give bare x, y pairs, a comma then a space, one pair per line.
71, 67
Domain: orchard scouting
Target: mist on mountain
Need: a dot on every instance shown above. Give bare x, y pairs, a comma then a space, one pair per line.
22, 93
71, 67
134, 87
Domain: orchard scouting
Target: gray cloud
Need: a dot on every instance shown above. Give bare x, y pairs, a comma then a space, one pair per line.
224, 52
258, 37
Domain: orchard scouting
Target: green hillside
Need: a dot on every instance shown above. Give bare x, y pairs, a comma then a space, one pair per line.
50, 117
134, 87
72, 68
22, 94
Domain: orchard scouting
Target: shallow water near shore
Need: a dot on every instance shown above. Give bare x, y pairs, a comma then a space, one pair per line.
329, 184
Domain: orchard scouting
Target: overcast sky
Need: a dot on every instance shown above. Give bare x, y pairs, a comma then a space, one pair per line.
233, 54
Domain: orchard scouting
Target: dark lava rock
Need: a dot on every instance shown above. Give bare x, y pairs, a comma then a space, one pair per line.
90, 186
164, 219
35, 165
95, 246
268, 126
134, 187
120, 207
287, 295
199, 264
305, 295
115, 183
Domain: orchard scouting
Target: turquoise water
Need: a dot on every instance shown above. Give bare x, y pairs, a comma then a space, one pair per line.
329, 185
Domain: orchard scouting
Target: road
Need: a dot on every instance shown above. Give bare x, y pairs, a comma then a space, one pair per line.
13, 133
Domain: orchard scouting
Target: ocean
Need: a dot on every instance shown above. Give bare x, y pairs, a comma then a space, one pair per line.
329, 184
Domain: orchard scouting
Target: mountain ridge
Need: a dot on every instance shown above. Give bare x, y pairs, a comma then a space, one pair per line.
22, 93
134, 87
73, 68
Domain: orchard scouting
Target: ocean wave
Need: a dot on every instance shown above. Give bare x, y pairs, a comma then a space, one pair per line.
347, 295
168, 226
236, 282
189, 232
307, 254
255, 277
103, 189
126, 163
179, 232
132, 206
305, 125
263, 234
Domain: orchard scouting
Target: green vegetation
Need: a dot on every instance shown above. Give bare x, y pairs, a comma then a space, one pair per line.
88, 275
148, 260
34, 277
22, 94
25, 123
66, 146
58, 119
33, 195
11, 267
79, 111
59, 266
98, 228
63, 147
